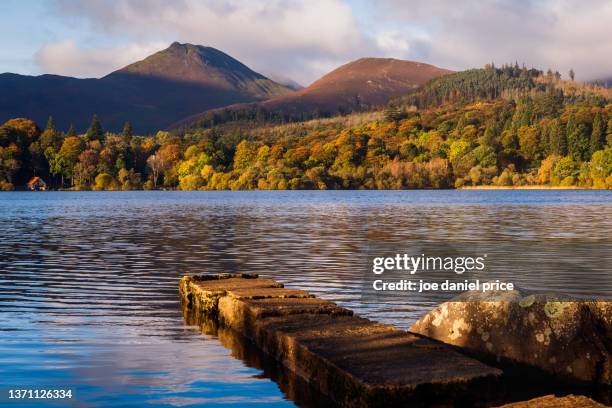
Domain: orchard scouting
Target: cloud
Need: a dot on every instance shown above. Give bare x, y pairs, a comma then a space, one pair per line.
560, 34
67, 58
300, 39
303, 39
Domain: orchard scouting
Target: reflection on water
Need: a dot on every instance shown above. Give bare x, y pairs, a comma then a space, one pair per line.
88, 281
293, 386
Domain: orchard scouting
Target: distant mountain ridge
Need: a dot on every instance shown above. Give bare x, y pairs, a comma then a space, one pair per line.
360, 84
153, 93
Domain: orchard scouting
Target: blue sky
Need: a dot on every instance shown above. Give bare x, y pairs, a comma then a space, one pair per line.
303, 39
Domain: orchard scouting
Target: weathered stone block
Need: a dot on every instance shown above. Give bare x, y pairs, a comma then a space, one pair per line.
568, 339
203, 292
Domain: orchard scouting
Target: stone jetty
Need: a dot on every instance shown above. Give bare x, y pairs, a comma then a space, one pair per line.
354, 361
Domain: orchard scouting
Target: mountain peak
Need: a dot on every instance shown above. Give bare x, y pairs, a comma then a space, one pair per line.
171, 84
192, 63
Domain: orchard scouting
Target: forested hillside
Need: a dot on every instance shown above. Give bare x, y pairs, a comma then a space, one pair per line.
509, 82
480, 127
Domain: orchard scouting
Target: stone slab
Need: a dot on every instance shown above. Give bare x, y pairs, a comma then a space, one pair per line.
267, 292
270, 307
203, 292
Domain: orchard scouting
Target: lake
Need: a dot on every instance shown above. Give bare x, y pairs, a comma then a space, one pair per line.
89, 280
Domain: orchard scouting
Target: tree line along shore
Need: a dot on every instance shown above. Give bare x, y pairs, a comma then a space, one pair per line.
508, 127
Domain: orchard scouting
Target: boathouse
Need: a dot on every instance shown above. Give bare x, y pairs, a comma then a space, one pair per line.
36, 183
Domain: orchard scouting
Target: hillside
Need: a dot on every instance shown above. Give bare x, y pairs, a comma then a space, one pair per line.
507, 82
153, 93
358, 85
496, 127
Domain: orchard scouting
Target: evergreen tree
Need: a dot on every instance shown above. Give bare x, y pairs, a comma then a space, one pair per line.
572, 74
95, 131
527, 113
571, 125
71, 131
597, 133
127, 131
609, 133
578, 142
490, 134
50, 125
558, 139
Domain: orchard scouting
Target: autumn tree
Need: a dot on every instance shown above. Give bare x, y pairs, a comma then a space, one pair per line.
68, 155
155, 163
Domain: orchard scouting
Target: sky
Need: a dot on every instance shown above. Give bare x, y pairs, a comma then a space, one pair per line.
304, 39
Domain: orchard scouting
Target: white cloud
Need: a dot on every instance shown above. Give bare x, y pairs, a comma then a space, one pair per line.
274, 37
393, 42
67, 58
303, 39
560, 34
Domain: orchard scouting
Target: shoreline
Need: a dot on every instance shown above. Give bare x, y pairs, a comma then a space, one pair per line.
530, 187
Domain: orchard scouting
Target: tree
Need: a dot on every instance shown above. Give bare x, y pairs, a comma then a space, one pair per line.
104, 181
528, 142
85, 169
69, 154
50, 124
558, 138
129, 179
56, 164
71, 131
578, 142
50, 137
597, 133
609, 133
155, 163
572, 74
601, 168
245, 155
95, 131
127, 131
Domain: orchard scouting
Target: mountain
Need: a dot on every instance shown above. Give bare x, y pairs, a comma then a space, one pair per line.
361, 84
153, 93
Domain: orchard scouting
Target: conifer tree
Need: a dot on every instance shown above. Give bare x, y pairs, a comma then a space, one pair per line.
71, 131
95, 131
127, 130
50, 125
558, 138
597, 133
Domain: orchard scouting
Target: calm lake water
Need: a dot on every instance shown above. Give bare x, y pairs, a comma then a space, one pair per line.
88, 280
